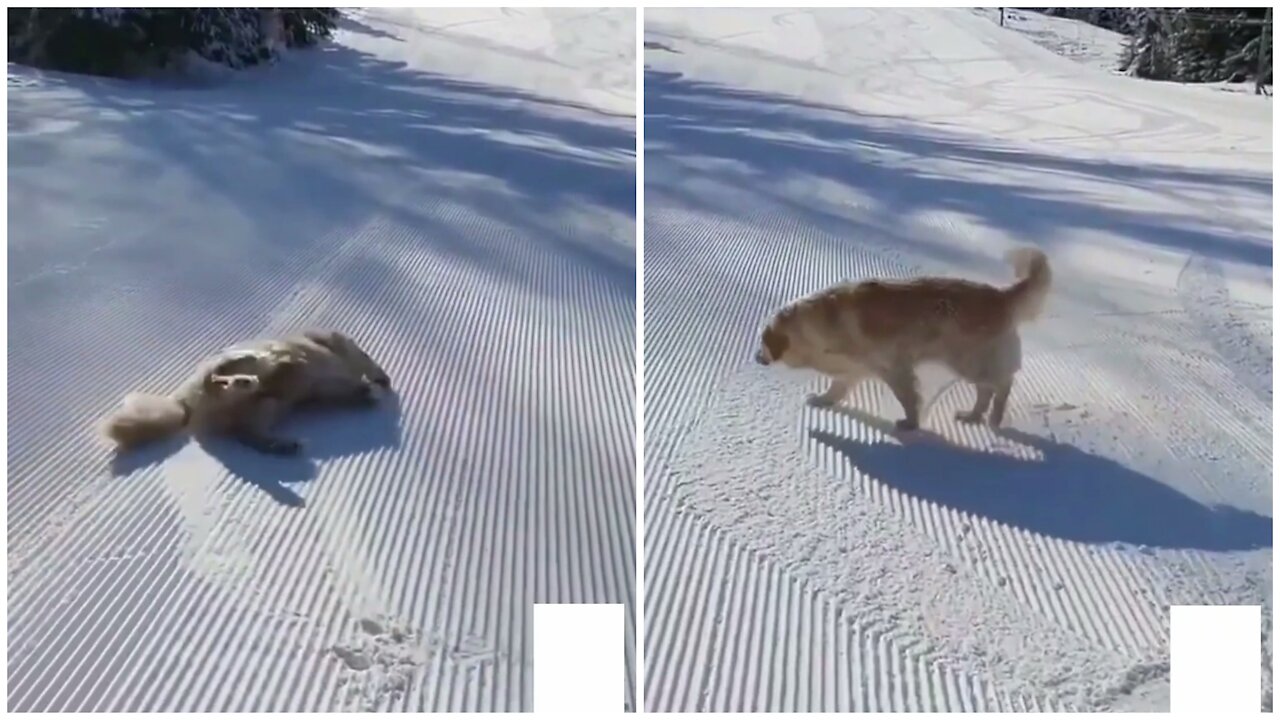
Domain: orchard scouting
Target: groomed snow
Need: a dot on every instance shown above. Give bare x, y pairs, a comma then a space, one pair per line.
800, 559
455, 189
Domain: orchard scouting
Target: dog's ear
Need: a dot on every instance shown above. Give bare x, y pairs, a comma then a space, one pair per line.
775, 342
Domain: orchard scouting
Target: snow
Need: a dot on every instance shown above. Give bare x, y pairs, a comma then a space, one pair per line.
1090, 45
456, 190
801, 559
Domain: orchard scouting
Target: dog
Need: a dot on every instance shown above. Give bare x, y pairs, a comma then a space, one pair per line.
243, 391
885, 329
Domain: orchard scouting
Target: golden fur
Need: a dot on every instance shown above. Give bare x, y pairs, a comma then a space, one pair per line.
885, 329
244, 390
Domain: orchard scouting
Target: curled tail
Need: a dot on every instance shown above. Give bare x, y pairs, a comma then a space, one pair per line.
144, 418
1027, 295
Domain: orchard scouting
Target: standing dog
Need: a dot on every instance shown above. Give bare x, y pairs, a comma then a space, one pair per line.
244, 390
884, 329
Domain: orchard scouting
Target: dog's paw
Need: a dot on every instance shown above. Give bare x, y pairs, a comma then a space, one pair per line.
821, 400
283, 447
968, 418
905, 425
366, 396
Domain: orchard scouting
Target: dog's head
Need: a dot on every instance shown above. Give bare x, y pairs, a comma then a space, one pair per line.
774, 342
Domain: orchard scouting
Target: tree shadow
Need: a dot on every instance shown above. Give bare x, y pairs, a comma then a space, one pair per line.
906, 167
365, 178
1067, 494
332, 136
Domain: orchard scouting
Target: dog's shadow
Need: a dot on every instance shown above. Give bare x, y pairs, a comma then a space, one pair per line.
326, 433
1067, 493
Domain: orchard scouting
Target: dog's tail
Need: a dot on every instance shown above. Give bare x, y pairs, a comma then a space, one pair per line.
1027, 295
144, 418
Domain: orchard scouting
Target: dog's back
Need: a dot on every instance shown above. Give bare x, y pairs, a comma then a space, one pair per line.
937, 317
928, 308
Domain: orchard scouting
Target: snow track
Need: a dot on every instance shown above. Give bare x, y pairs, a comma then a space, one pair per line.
803, 559
477, 239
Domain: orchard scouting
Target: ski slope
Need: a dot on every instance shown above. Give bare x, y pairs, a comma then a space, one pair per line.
799, 559
455, 189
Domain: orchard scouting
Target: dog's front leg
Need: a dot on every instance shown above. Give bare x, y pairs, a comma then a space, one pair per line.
256, 433
375, 374
836, 392
1001, 401
361, 395
347, 391
901, 379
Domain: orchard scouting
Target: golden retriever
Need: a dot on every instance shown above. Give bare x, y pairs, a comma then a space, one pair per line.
885, 329
244, 390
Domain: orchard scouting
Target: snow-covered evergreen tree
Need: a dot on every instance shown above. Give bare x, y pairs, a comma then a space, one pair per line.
1146, 52
1196, 44
126, 41
1183, 44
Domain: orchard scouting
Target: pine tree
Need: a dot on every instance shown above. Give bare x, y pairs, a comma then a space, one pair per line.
1195, 44
126, 41
1183, 44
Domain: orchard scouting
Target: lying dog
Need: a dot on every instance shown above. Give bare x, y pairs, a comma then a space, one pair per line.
244, 390
884, 329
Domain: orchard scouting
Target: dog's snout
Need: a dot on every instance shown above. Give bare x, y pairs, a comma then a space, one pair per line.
243, 382
760, 358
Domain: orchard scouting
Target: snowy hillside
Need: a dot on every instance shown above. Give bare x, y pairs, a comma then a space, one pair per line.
455, 189
1075, 39
806, 559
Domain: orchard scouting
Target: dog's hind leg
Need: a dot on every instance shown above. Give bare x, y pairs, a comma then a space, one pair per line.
902, 381
980, 406
991, 369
